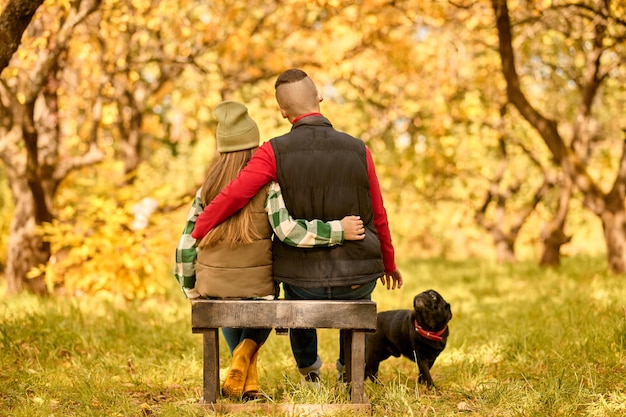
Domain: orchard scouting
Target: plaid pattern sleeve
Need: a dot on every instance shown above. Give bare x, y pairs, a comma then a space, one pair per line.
298, 232
187, 252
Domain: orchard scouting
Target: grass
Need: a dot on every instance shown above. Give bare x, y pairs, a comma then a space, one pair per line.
524, 342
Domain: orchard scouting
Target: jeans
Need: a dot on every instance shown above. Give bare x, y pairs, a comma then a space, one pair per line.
304, 341
234, 336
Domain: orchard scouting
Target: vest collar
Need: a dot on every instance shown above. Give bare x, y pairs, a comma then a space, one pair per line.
305, 115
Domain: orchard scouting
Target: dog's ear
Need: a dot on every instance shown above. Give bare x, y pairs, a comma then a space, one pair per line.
449, 309
418, 304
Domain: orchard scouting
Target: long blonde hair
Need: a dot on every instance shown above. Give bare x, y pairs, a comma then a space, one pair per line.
237, 229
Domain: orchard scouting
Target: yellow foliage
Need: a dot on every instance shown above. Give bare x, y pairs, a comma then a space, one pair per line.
109, 114
424, 72
96, 249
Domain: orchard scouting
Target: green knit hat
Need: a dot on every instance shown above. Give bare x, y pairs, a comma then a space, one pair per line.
236, 130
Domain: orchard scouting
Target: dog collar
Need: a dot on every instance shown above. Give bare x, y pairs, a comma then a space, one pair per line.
436, 336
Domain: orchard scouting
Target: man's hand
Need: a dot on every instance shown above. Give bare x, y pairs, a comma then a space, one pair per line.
394, 276
353, 228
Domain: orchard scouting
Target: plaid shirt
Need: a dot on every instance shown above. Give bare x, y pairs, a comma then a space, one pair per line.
295, 232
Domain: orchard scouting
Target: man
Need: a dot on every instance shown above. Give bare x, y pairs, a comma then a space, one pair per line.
324, 174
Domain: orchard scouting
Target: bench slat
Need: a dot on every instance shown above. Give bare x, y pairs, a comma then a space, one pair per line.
303, 314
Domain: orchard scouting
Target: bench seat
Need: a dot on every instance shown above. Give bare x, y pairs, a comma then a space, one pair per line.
355, 317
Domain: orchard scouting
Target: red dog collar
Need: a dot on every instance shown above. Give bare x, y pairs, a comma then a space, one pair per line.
436, 336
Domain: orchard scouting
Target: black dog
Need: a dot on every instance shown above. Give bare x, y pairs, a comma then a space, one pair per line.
419, 334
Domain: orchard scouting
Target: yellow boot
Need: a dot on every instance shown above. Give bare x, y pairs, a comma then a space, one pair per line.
251, 386
238, 371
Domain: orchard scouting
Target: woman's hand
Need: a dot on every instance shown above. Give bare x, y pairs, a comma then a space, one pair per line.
353, 228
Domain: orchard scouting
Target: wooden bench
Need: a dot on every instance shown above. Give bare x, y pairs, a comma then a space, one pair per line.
355, 317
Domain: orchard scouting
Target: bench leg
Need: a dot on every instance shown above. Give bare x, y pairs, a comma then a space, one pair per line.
355, 364
211, 366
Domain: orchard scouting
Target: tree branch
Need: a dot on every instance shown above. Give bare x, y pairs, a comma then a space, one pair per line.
14, 20
46, 60
547, 128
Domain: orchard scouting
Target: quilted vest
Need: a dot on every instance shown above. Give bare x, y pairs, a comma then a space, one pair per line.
241, 272
323, 175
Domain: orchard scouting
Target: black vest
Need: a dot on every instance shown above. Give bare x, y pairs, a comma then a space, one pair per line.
323, 175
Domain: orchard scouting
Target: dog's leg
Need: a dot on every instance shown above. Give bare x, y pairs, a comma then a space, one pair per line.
375, 352
424, 376
371, 370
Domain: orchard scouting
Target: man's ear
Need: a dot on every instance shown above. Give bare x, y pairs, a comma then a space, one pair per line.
283, 113
320, 96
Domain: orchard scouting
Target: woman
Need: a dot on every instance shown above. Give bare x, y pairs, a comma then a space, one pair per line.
235, 260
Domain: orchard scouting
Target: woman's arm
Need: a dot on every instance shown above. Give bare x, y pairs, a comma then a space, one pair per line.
308, 233
260, 170
187, 252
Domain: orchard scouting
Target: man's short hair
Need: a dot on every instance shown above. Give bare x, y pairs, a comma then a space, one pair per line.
290, 76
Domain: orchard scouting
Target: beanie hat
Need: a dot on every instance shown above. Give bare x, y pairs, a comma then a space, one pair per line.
236, 130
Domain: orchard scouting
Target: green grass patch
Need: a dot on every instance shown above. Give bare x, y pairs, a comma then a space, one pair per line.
524, 341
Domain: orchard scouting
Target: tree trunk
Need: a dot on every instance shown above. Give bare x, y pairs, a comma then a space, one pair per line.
553, 240
553, 234
615, 235
26, 249
614, 227
33, 186
505, 249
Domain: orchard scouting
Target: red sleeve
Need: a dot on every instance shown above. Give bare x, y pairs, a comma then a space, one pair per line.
260, 170
380, 216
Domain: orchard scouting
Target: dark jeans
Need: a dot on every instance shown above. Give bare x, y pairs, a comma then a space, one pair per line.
304, 341
234, 336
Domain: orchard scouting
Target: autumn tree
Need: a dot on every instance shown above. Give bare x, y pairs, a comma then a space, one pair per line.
30, 146
587, 44
30, 143
127, 109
